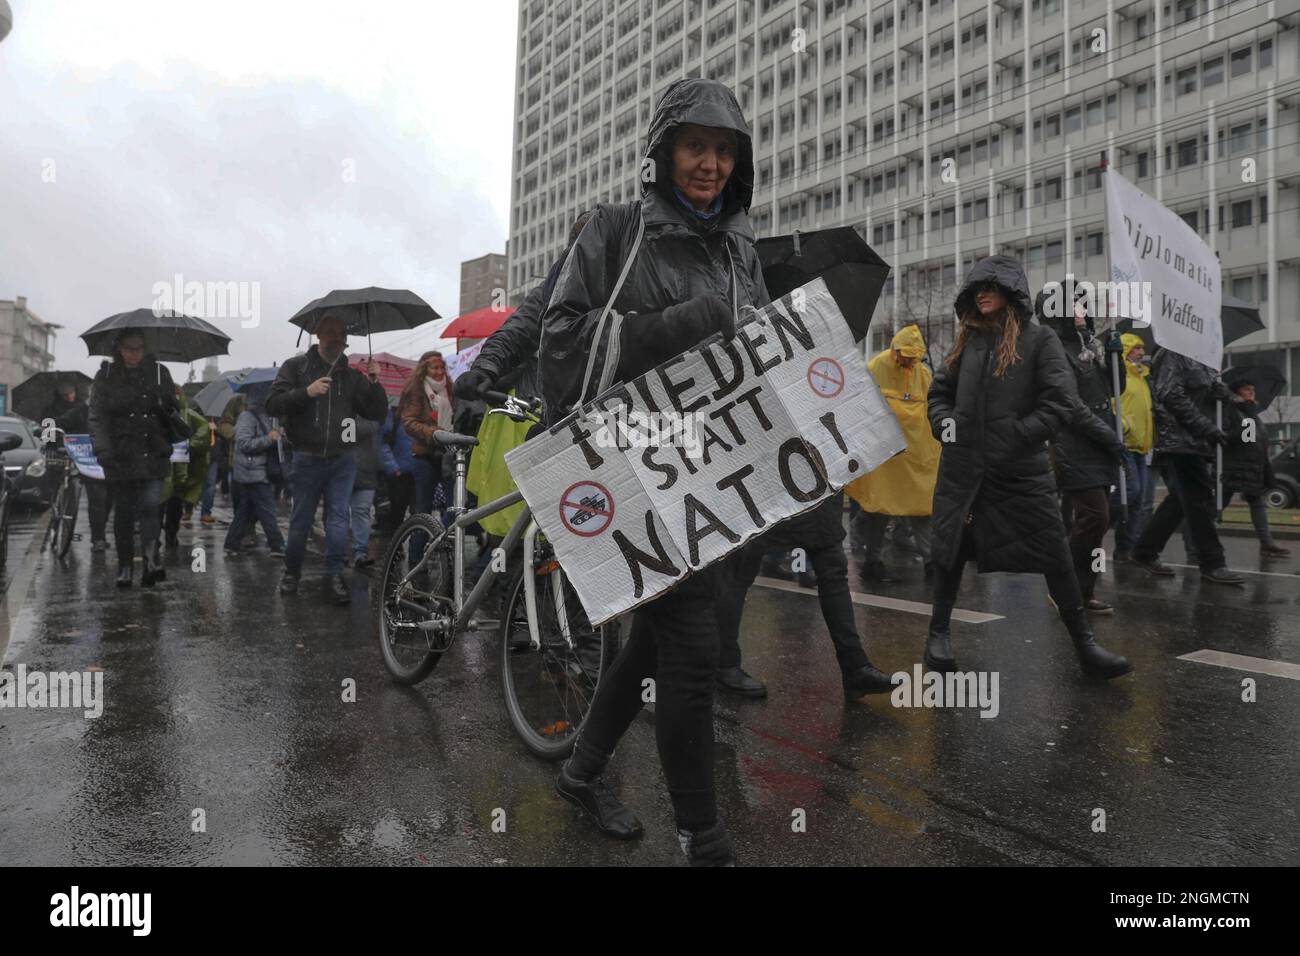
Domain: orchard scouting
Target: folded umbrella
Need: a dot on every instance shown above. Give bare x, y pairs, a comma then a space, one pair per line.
367, 311
854, 274
1268, 380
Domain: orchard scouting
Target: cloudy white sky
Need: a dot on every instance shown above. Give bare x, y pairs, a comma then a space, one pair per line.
214, 140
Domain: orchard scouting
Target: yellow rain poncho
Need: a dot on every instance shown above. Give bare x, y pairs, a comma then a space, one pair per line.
488, 476
904, 485
1139, 421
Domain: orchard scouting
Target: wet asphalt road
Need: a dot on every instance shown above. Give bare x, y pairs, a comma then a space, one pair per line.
221, 695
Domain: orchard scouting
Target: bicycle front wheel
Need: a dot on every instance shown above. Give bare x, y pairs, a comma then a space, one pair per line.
549, 687
413, 616
66, 516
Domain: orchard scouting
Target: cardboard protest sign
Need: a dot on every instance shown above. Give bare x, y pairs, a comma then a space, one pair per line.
669, 473
83, 453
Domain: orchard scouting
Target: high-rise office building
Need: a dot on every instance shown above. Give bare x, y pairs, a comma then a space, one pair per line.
942, 131
480, 280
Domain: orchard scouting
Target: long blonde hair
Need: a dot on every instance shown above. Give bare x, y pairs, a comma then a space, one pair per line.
1008, 349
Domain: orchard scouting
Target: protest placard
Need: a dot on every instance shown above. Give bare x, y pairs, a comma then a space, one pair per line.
669, 473
83, 453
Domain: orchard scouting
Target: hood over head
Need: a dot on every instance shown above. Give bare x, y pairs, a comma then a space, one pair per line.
909, 342
1063, 325
704, 103
1009, 276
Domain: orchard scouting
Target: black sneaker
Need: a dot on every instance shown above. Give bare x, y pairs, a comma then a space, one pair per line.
598, 802
289, 583
736, 681
866, 680
1095, 606
336, 590
1222, 576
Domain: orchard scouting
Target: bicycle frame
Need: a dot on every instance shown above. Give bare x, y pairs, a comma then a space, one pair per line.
525, 528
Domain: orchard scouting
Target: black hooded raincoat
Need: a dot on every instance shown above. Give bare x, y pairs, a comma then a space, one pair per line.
680, 256
994, 466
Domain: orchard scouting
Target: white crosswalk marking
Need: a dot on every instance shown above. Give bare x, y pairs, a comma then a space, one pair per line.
1241, 662
875, 600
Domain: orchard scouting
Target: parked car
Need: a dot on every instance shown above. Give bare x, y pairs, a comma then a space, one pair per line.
25, 465
1285, 492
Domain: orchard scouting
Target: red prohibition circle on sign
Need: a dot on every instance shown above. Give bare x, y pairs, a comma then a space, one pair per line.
586, 508
826, 377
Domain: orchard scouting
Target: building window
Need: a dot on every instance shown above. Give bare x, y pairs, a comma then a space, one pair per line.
1265, 54
1186, 80
1212, 72
1144, 162
1241, 214
1074, 118
1240, 61
1187, 153
1244, 288
1142, 95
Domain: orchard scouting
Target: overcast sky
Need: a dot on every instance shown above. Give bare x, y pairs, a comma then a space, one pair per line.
217, 141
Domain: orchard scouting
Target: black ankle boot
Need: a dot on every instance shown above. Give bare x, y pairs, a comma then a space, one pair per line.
1095, 660
707, 847
125, 574
148, 571
938, 649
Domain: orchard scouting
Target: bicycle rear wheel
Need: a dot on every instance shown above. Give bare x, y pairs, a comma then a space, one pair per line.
413, 619
548, 689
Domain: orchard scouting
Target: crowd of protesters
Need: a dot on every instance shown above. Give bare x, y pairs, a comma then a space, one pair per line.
1018, 447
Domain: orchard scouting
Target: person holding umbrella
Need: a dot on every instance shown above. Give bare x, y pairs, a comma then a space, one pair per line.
317, 399
130, 400
1003, 392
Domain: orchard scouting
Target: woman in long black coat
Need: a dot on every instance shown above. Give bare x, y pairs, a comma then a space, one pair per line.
130, 396
1001, 394
1087, 452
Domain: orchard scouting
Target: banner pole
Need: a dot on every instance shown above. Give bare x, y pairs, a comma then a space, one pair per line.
1218, 461
1119, 431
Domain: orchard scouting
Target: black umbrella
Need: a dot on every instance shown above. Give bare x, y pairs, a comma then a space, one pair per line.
170, 336
33, 396
1239, 318
853, 272
1267, 379
367, 311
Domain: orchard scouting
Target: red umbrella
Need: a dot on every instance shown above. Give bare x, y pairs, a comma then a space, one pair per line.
478, 324
393, 370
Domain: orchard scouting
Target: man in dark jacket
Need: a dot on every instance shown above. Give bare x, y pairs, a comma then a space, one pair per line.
1087, 452
318, 399
1246, 468
68, 411
1185, 392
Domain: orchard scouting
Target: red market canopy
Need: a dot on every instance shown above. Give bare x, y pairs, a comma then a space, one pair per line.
478, 324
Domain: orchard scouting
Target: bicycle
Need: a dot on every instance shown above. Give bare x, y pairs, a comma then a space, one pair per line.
66, 501
551, 658
8, 442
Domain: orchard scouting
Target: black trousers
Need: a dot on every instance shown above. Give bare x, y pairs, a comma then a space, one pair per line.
99, 502
1191, 497
172, 516
830, 566
1088, 523
135, 499
1063, 586
674, 643
401, 495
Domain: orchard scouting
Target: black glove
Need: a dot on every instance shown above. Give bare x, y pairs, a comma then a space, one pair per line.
1115, 344
473, 383
695, 320
1218, 436
1219, 390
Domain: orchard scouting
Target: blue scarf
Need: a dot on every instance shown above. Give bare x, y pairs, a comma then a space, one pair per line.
705, 215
